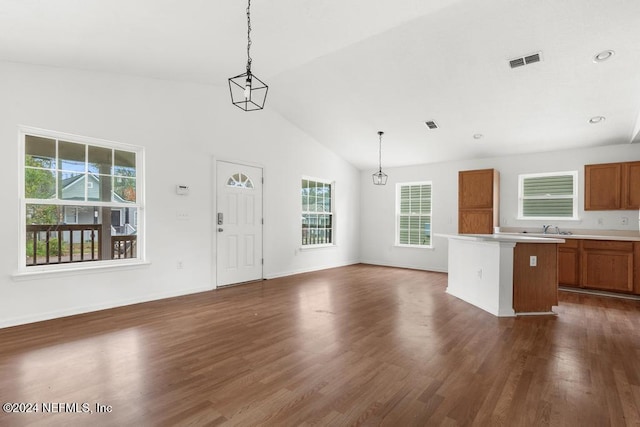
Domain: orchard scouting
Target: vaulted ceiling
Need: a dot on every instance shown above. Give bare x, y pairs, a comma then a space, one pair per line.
342, 70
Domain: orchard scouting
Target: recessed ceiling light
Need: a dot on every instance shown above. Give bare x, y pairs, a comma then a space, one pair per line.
478, 136
596, 119
603, 56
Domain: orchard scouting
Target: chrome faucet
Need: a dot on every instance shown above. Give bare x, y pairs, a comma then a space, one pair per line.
546, 228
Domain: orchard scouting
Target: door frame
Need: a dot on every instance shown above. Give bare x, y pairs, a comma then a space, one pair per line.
214, 204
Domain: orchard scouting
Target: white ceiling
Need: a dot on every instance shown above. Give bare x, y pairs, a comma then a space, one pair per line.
342, 70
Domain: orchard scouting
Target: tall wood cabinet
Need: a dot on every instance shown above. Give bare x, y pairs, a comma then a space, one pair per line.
478, 201
612, 186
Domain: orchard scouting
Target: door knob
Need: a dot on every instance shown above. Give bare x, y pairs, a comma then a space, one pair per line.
220, 229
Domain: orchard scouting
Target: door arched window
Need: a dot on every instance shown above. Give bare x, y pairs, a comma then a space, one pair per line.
240, 180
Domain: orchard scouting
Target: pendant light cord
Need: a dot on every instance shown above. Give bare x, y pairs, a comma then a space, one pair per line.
248, 37
380, 153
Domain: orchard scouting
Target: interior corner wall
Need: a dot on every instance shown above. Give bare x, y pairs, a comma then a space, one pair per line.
184, 128
377, 203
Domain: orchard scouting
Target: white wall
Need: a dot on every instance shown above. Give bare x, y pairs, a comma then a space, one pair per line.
378, 202
184, 128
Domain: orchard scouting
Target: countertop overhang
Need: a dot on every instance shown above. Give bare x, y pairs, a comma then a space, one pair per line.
503, 237
575, 236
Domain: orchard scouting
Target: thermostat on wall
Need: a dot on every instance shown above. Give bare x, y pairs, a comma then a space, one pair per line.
182, 190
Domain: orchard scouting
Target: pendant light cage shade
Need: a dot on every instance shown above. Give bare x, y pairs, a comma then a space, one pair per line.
248, 92
380, 178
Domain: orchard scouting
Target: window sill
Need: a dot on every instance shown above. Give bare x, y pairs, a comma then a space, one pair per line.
415, 247
44, 272
306, 247
548, 218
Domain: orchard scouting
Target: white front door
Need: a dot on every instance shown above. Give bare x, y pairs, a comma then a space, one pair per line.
238, 223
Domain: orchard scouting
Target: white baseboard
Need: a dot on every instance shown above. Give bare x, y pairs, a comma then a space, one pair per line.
599, 293
307, 270
23, 320
409, 266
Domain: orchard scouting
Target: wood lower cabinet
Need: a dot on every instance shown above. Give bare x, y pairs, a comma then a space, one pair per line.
608, 265
569, 263
478, 201
535, 288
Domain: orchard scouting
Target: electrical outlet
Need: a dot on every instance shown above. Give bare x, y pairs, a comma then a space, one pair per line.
624, 220
480, 274
600, 221
533, 261
179, 265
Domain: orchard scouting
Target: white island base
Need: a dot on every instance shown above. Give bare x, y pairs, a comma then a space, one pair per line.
481, 270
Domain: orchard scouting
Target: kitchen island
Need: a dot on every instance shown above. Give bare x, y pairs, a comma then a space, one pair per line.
596, 260
505, 275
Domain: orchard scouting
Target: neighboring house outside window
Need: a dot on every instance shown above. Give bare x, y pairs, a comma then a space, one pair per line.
413, 214
547, 196
72, 190
317, 212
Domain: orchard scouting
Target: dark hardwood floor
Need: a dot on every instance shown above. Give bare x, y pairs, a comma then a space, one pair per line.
353, 345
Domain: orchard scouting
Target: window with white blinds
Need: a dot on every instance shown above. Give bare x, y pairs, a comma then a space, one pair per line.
548, 195
413, 214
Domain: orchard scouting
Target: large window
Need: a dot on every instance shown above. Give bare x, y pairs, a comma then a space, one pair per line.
317, 212
413, 214
548, 196
80, 200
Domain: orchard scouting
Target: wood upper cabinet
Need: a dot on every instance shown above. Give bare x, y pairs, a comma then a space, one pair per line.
602, 187
612, 186
631, 185
478, 201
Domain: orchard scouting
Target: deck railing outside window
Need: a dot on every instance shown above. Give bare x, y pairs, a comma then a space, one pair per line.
70, 243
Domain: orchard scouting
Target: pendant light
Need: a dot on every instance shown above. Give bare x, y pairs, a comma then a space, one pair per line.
380, 178
248, 92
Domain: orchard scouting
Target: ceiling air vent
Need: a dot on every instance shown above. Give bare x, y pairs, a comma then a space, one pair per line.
525, 60
431, 124
516, 62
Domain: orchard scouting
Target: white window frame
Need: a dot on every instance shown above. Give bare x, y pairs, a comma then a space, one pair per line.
398, 214
332, 184
23, 269
574, 196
